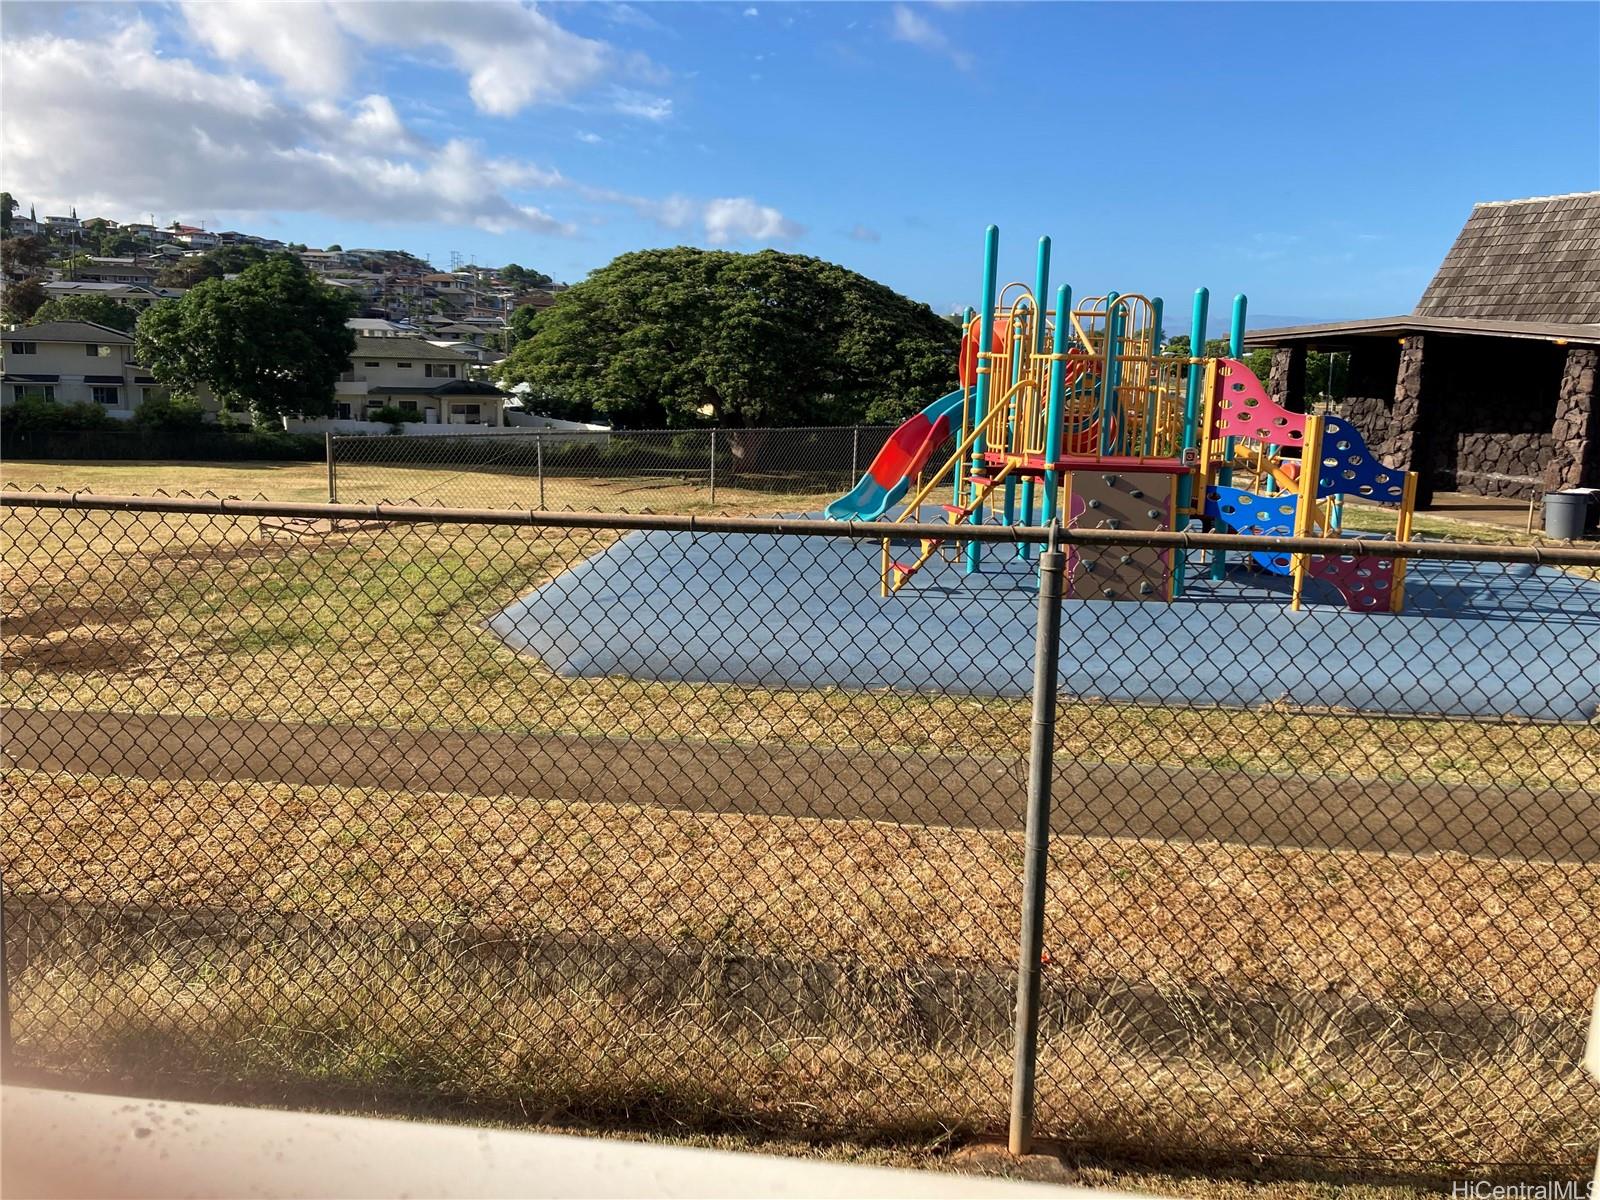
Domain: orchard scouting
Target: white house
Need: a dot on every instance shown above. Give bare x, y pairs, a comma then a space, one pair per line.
414, 376
74, 362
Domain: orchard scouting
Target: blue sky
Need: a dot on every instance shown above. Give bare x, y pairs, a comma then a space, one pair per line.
1319, 157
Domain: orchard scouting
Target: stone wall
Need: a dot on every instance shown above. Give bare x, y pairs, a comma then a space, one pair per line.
1575, 433
1468, 414
1490, 404
1369, 389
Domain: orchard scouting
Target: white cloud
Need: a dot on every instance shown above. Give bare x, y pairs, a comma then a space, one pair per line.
512, 56
299, 43
860, 233
908, 26
739, 219
752, 12
114, 127
118, 128
641, 105
588, 138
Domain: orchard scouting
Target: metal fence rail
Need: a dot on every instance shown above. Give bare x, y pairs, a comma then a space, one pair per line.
674, 817
659, 470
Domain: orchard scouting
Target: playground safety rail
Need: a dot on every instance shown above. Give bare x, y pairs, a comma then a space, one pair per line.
581, 814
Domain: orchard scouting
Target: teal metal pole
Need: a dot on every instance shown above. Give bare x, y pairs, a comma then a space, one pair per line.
1041, 292
1219, 558
1192, 410
980, 403
1055, 416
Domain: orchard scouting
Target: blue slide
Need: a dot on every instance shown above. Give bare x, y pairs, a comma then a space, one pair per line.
896, 465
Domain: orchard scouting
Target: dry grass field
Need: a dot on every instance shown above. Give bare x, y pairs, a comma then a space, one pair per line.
378, 629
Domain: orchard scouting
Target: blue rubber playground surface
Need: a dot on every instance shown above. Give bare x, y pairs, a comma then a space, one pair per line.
1480, 640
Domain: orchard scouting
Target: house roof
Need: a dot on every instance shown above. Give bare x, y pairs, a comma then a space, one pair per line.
72, 331
450, 387
1339, 334
1535, 260
401, 347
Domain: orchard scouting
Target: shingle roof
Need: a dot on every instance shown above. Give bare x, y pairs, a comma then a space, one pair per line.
1523, 260
400, 347
71, 331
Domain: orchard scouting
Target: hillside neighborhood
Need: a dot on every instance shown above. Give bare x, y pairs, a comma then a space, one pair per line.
426, 340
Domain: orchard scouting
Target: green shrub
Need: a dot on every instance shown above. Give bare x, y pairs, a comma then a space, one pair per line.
168, 412
33, 413
394, 416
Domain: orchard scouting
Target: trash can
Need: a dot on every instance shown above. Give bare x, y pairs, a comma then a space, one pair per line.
1565, 514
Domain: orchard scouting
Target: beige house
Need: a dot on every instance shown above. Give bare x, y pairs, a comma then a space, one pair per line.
415, 376
74, 362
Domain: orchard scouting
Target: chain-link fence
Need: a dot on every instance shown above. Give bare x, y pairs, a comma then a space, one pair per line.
679, 822
664, 470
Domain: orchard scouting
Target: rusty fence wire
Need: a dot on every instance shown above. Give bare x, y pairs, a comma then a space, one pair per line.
661, 471
679, 822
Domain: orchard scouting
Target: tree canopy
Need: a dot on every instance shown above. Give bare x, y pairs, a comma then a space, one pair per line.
682, 336
102, 310
23, 298
273, 340
519, 276
213, 264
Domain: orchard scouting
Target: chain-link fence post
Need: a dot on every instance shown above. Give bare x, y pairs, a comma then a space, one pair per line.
538, 454
1046, 655
5, 986
713, 477
333, 483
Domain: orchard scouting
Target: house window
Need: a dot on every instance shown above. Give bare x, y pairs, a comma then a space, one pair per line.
152, 393
34, 391
96, 351
403, 366
440, 370
107, 395
24, 347
342, 411
408, 406
369, 364
469, 413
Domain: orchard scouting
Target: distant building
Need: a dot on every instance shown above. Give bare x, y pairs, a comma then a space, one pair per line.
1489, 385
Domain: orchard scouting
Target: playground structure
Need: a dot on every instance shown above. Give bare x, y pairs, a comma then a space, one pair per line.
1072, 413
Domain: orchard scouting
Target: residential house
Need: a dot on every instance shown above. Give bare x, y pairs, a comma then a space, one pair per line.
481, 358
116, 270
133, 295
24, 227
416, 376
1489, 385
74, 362
377, 327
62, 226
195, 238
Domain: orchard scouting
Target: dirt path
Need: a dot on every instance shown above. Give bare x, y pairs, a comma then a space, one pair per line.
1091, 799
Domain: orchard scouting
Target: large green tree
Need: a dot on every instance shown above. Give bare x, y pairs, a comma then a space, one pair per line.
23, 298
273, 340
102, 310
683, 336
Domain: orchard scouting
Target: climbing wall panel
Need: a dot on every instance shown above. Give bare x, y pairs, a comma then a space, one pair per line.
1134, 500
